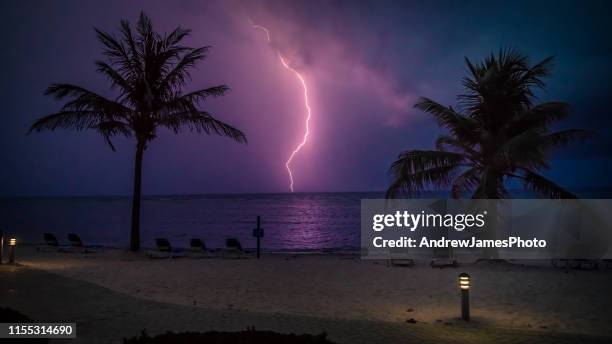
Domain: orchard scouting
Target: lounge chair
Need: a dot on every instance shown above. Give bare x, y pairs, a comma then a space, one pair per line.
576, 264
560, 263
443, 257
233, 249
398, 256
164, 250
76, 244
51, 244
197, 249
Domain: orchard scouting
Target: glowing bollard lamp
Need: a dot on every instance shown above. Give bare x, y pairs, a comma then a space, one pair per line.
464, 284
1, 246
12, 244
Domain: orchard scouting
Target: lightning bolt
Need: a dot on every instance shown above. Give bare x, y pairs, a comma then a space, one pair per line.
306, 104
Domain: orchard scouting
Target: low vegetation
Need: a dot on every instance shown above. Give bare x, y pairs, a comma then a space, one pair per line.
243, 337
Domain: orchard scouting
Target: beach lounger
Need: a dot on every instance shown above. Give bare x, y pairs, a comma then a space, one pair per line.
443, 257
51, 244
398, 256
233, 249
560, 263
164, 250
576, 264
585, 264
76, 245
197, 249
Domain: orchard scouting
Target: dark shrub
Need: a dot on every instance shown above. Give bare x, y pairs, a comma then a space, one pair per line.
213, 337
8, 315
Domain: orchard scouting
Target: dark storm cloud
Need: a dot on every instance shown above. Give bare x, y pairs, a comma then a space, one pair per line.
365, 63
411, 49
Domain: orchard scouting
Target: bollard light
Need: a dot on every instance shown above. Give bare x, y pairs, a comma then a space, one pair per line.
464, 285
12, 244
464, 281
1, 246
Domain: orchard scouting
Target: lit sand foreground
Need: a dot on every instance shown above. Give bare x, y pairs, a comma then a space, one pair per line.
352, 300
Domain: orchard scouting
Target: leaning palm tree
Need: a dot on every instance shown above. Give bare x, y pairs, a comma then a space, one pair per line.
496, 134
148, 73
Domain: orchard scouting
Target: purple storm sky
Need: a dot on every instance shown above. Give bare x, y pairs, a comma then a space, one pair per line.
365, 64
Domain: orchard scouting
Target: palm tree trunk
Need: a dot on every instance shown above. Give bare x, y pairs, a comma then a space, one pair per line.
135, 231
491, 231
490, 187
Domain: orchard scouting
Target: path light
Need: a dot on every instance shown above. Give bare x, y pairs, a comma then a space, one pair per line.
1, 245
464, 284
12, 244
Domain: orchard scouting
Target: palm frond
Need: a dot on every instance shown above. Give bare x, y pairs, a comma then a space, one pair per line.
465, 182
201, 122
132, 59
565, 137
415, 170
111, 128
533, 76
448, 118
85, 100
179, 74
543, 186
528, 150
176, 36
115, 77
413, 184
197, 97
538, 117
445, 142
76, 120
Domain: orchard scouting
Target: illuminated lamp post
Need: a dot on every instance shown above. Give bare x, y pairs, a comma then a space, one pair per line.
12, 244
464, 285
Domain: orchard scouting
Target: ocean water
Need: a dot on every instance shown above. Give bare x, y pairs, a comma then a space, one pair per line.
302, 221
293, 222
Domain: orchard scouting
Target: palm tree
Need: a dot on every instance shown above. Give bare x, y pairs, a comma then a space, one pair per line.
496, 134
148, 73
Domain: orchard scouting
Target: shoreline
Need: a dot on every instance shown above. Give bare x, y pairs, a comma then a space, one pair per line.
421, 256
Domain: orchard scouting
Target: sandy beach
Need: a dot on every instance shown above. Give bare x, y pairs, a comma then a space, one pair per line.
513, 297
